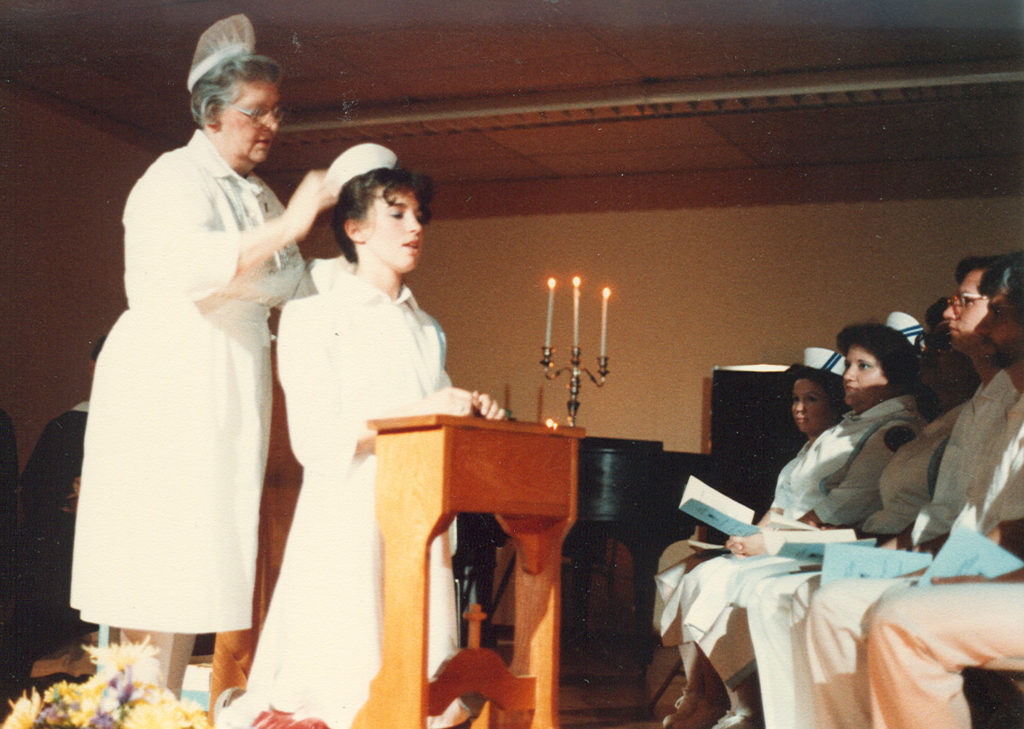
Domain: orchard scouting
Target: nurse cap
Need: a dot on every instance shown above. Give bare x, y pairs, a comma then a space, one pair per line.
828, 360
358, 160
225, 38
906, 325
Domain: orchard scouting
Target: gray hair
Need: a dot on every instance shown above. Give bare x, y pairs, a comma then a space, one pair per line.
218, 87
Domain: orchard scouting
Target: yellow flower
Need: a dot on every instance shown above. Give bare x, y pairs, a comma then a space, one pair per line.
63, 691
195, 715
87, 707
91, 690
24, 711
122, 655
162, 713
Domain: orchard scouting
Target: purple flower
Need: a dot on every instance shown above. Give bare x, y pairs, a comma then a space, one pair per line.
102, 720
51, 714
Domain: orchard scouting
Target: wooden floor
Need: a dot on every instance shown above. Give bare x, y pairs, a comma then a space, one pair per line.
601, 686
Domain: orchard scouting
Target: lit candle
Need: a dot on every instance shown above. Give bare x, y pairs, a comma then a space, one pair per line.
604, 319
551, 310
576, 311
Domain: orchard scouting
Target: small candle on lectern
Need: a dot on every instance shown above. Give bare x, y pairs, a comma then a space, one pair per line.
604, 319
576, 311
551, 309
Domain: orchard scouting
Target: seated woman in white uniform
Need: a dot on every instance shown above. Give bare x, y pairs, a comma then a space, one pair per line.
847, 459
776, 606
817, 405
360, 351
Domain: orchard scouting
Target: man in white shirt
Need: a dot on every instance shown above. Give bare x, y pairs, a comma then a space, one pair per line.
777, 606
837, 617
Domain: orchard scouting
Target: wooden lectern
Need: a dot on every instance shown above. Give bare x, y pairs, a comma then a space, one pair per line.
429, 468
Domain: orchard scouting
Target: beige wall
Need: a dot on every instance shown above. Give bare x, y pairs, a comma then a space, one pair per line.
692, 287
63, 185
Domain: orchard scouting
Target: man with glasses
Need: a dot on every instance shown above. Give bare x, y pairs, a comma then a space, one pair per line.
971, 470
941, 457
982, 413
920, 640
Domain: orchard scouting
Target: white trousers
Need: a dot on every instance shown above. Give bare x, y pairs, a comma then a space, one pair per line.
836, 650
776, 613
919, 640
718, 618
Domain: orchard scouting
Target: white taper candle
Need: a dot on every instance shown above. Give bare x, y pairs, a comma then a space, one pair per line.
576, 311
551, 311
604, 319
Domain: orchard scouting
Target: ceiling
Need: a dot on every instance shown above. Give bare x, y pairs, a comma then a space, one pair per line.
519, 91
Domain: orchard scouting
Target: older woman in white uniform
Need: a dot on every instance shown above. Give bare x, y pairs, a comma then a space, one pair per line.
177, 439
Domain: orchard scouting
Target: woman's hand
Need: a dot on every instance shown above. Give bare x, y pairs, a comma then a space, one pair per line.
309, 198
746, 546
456, 401
812, 518
448, 401
487, 407
452, 401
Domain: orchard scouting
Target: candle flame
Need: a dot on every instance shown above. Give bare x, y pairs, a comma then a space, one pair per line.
551, 283
576, 281
551, 424
606, 293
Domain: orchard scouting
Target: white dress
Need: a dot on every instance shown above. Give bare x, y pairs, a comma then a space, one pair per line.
179, 420
345, 356
841, 464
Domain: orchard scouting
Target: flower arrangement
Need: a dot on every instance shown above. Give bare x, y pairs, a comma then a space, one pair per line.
123, 694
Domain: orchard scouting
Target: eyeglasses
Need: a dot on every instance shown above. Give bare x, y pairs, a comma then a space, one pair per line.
261, 117
959, 302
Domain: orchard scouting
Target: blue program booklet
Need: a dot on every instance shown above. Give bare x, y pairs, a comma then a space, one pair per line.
967, 552
859, 559
716, 509
811, 545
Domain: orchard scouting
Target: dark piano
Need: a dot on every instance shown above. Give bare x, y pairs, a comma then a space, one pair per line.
629, 491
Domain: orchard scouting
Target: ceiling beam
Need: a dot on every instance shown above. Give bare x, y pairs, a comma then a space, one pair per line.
707, 95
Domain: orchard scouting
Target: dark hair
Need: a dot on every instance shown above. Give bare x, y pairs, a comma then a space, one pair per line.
934, 314
829, 382
1006, 276
972, 263
898, 357
358, 194
218, 88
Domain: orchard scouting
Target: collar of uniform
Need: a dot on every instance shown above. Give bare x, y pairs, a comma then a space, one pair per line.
886, 408
354, 289
1000, 387
206, 155
1016, 410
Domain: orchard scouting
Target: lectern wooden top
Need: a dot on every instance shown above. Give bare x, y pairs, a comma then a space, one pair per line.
477, 465
418, 422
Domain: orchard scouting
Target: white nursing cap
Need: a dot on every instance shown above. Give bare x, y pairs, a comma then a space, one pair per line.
358, 160
906, 325
221, 40
820, 358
